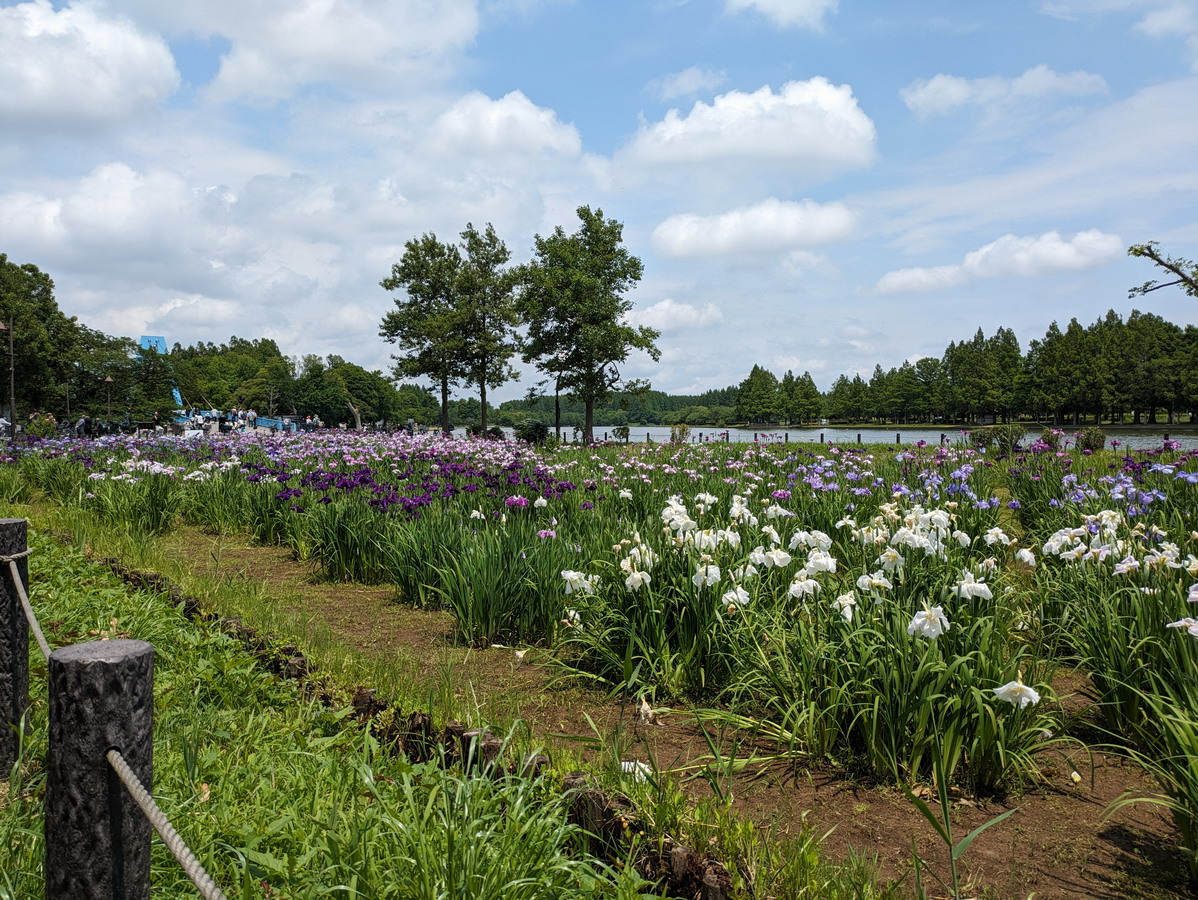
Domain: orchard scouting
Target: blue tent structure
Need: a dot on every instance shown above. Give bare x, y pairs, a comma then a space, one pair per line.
157, 343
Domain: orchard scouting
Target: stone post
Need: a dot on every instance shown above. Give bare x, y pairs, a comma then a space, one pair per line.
97, 840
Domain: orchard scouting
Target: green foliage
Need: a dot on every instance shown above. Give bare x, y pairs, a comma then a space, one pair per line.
44, 341
1184, 272
277, 793
575, 312
458, 322
982, 437
1091, 439
1003, 438
532, 431
41, 427
757, 399
246, 373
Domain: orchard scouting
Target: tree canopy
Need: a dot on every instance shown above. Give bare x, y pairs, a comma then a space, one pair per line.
575, 312
1184, 272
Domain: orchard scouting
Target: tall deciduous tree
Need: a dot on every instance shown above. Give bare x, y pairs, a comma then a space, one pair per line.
575, 311
458, 324
425, 326
487, 309
43, 339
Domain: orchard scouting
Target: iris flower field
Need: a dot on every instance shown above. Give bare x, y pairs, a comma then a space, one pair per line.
899, 613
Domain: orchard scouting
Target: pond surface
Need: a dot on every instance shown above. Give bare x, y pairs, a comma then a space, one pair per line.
1138, 439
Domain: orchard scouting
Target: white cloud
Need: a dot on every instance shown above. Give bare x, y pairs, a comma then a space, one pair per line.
814, 128
476, 125
1169, 21
943, 94
687, 83
670, 315
797, 364
1174, 20
1161, 18
768, 226
786, 13
75, 67
364, 44
1011, 256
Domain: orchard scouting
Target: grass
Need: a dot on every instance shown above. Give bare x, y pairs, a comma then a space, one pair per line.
278, 796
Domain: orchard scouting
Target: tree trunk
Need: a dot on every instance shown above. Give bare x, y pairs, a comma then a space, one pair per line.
482, 399
557, 410
588, 429
445, 430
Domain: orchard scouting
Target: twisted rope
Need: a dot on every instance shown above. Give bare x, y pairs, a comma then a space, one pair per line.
191, 866
29, 616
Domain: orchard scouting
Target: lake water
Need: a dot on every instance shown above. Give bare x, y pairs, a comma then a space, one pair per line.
1136, 440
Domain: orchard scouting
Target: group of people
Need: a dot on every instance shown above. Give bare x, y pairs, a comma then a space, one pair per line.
236, 420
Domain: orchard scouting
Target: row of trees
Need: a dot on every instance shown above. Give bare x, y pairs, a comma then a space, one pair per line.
465, 313
61, 365
1113, 369
255, 374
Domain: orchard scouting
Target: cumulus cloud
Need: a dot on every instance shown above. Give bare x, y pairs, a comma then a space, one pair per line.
670, 315
814, 128
687, 83
768, 226
276, 48
786, 13
943, 94
476, 125
1011, 256
77, 67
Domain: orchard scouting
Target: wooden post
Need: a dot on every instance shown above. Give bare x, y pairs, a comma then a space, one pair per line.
898, 438
97, 840
942, 437
858, 437
821, 437
14, 642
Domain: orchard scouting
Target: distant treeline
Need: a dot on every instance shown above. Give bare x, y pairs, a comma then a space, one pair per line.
1142, 369
1136, 370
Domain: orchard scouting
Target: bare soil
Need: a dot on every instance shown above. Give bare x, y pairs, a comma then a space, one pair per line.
1060, 843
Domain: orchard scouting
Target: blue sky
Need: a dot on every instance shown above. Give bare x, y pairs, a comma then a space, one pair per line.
811, 184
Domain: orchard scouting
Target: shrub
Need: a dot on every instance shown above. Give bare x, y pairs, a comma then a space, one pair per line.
680, 433
1007, 437
982, 437
532, 431
42, 427
1093, 438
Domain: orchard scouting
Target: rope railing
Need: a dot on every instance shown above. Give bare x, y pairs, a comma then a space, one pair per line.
34, 625
157, 818
99, 691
